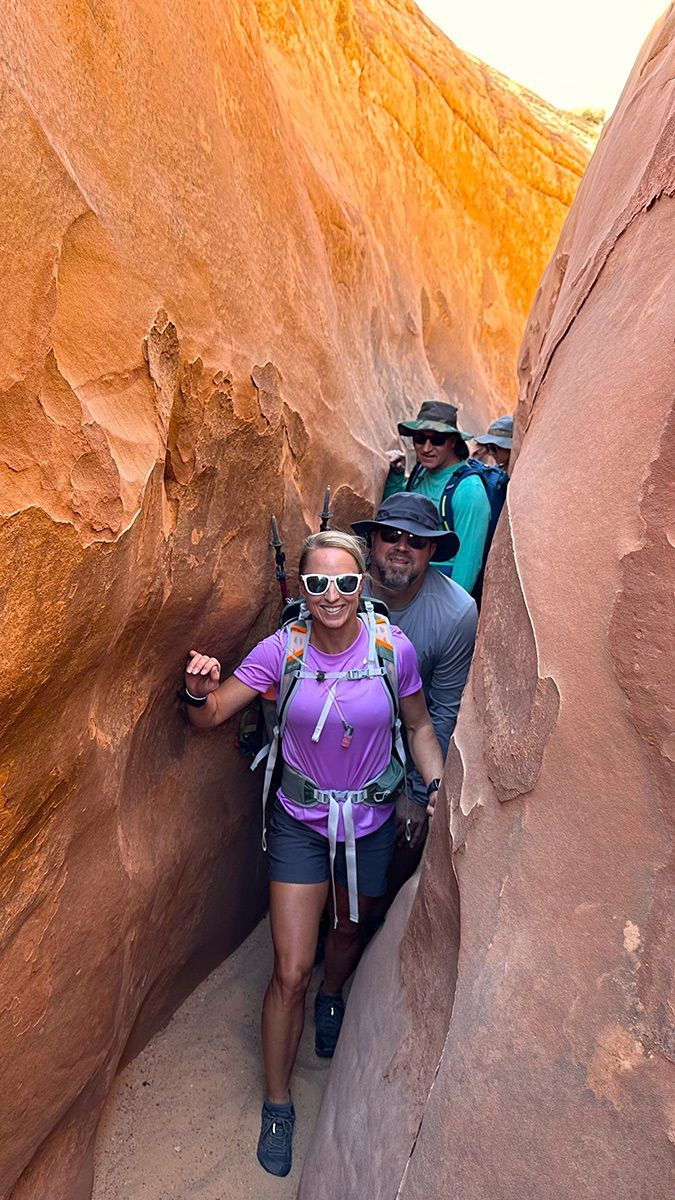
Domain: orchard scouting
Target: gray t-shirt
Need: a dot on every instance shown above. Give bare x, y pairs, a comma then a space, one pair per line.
441, 624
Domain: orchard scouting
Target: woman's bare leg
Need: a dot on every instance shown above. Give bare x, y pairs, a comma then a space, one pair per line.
295, 911
344, 944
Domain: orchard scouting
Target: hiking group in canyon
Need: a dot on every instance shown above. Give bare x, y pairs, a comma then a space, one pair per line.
243, 241
363, 740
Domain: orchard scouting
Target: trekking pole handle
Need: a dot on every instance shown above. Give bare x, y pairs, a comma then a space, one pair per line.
326, 515
279, 559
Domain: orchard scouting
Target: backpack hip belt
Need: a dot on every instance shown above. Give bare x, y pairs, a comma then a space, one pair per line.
301, 790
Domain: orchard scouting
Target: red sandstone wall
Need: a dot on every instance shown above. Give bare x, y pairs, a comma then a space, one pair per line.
525, 1042
238, 241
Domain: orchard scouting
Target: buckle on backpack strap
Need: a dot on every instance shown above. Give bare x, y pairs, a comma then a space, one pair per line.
379, 796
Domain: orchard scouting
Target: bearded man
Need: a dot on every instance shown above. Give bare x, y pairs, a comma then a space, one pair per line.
439, 617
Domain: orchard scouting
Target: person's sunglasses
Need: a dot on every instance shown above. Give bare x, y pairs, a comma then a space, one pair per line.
415, 540
346, 585
436, 439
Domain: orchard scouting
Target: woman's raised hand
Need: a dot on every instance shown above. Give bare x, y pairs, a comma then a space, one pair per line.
202, 674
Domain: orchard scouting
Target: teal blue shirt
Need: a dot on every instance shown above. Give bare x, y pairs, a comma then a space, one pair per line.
471, 517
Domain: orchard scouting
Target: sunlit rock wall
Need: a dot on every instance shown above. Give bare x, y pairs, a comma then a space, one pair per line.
524, 1039
238, 242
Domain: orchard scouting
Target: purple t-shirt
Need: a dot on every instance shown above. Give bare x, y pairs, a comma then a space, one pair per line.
361, 703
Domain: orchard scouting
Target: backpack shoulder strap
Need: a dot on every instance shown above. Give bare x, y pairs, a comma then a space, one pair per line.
469, 467
413, 477
383, 651
297, 641
446, 505
499, 479
386, 657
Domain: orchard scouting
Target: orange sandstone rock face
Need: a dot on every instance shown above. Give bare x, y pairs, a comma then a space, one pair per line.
239, 241
546, 1069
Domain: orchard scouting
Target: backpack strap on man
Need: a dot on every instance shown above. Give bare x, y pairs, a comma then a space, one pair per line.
445, 507
414, 476
495, 482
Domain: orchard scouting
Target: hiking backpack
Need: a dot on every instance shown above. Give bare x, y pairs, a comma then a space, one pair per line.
495, 482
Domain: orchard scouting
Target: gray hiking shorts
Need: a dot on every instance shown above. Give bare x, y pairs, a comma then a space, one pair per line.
296, 853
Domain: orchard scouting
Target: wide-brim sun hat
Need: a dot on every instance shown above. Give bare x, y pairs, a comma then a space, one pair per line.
500, 433
412, 514
436, 416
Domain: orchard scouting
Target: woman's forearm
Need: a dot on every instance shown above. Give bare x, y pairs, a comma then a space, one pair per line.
229, 698
205, 717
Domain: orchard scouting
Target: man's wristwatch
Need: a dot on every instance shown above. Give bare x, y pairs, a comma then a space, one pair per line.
433, 786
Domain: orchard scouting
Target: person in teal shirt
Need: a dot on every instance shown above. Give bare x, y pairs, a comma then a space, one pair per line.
440, 448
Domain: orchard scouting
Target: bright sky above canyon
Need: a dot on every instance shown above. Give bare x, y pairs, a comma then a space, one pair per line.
576, 55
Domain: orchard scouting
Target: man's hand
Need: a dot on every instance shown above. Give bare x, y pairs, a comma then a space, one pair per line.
408, 811
396, 461
432, 803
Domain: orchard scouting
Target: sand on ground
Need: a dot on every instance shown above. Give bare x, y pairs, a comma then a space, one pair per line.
183, 1118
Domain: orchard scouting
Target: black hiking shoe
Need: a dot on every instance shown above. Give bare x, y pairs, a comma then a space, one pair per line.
328, 1014
275, 1144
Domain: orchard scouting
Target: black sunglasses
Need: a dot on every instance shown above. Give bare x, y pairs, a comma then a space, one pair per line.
392, 536
436, 439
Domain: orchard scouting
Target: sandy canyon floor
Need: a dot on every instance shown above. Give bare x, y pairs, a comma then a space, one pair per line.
183, 1118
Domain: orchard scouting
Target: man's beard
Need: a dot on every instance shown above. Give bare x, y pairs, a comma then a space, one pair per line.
397, 577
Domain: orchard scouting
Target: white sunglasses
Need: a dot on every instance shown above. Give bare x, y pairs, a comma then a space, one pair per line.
346, 585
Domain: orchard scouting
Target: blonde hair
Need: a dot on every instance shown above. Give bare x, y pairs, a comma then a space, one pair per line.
333, 539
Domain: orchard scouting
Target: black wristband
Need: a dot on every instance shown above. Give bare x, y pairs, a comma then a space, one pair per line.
433, 786
193, 701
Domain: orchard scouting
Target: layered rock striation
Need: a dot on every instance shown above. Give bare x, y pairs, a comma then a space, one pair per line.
238, 242
524, 1045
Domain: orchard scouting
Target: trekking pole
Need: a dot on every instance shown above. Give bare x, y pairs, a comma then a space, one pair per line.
326, 515
279, 559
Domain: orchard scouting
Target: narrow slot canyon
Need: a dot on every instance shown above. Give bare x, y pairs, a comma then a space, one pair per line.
242, 242
183, 1117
